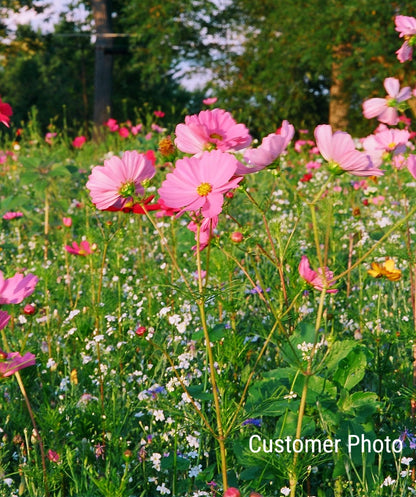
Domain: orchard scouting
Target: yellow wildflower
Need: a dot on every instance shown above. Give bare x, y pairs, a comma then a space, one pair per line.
386, 269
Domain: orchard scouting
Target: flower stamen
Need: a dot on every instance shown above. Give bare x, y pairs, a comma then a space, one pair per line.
204, 189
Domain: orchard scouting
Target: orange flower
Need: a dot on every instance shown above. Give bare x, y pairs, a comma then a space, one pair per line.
386, 269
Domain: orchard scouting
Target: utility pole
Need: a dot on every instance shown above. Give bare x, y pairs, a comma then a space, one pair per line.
101, 10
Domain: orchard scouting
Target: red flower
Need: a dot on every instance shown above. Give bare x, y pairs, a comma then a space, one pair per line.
79, 141
306, 177
150, 154
159, 113
5, 113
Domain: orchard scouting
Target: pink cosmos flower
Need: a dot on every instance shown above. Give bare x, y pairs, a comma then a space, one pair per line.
316, 278
385, 141
406, 26
135, 130
123, 132
198, 184
211, 129
157, 128
209, 100
205, 232
67, 221
119, 180
11, 362
339, 150
4, 319
79, 141
53, 456
411, 165
159, 113
112, 125
84, 248
392, 140
5, 113
13, 290
385, 109
12, 215
271, 147
49, 137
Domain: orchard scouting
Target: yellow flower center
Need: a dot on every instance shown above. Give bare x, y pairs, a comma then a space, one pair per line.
203, 189
215, 136
127, 189
392, 146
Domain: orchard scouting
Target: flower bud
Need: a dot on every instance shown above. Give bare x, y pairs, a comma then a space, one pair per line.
141, 331
29, 309
232, 492
236, 237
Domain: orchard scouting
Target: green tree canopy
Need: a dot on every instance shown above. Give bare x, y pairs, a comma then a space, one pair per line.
297, 56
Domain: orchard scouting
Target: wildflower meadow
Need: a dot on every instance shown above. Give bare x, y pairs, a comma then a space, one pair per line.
196, 312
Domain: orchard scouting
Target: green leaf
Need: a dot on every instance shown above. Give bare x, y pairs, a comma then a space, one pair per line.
338, 351
217, 333
351, 369
198, 392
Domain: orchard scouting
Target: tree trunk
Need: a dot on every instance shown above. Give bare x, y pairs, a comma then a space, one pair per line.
339, 101
103, 61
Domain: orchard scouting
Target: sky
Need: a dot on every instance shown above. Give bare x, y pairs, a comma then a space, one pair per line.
47, 19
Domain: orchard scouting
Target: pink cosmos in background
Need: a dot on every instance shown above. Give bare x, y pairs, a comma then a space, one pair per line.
271, 147
211, 129
112, 125
5, 113
67, 221
119, 180
135, 130
316, 278
339, 150
392, 140
159, 113
49, 137
385, 141
384, 109
406, 26
84, 248
13, 290
123, 132
198, 183
79, 141
12, 215
210, 100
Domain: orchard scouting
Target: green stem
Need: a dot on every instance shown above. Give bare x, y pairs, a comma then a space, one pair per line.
32, 417
376, 245
200, 303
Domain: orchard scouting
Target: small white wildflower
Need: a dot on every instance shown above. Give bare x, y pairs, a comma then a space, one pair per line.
193, 441
51, 363
285, 490
406, 460
155, 458
388, 482
194, 471
158, 414
163, 489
